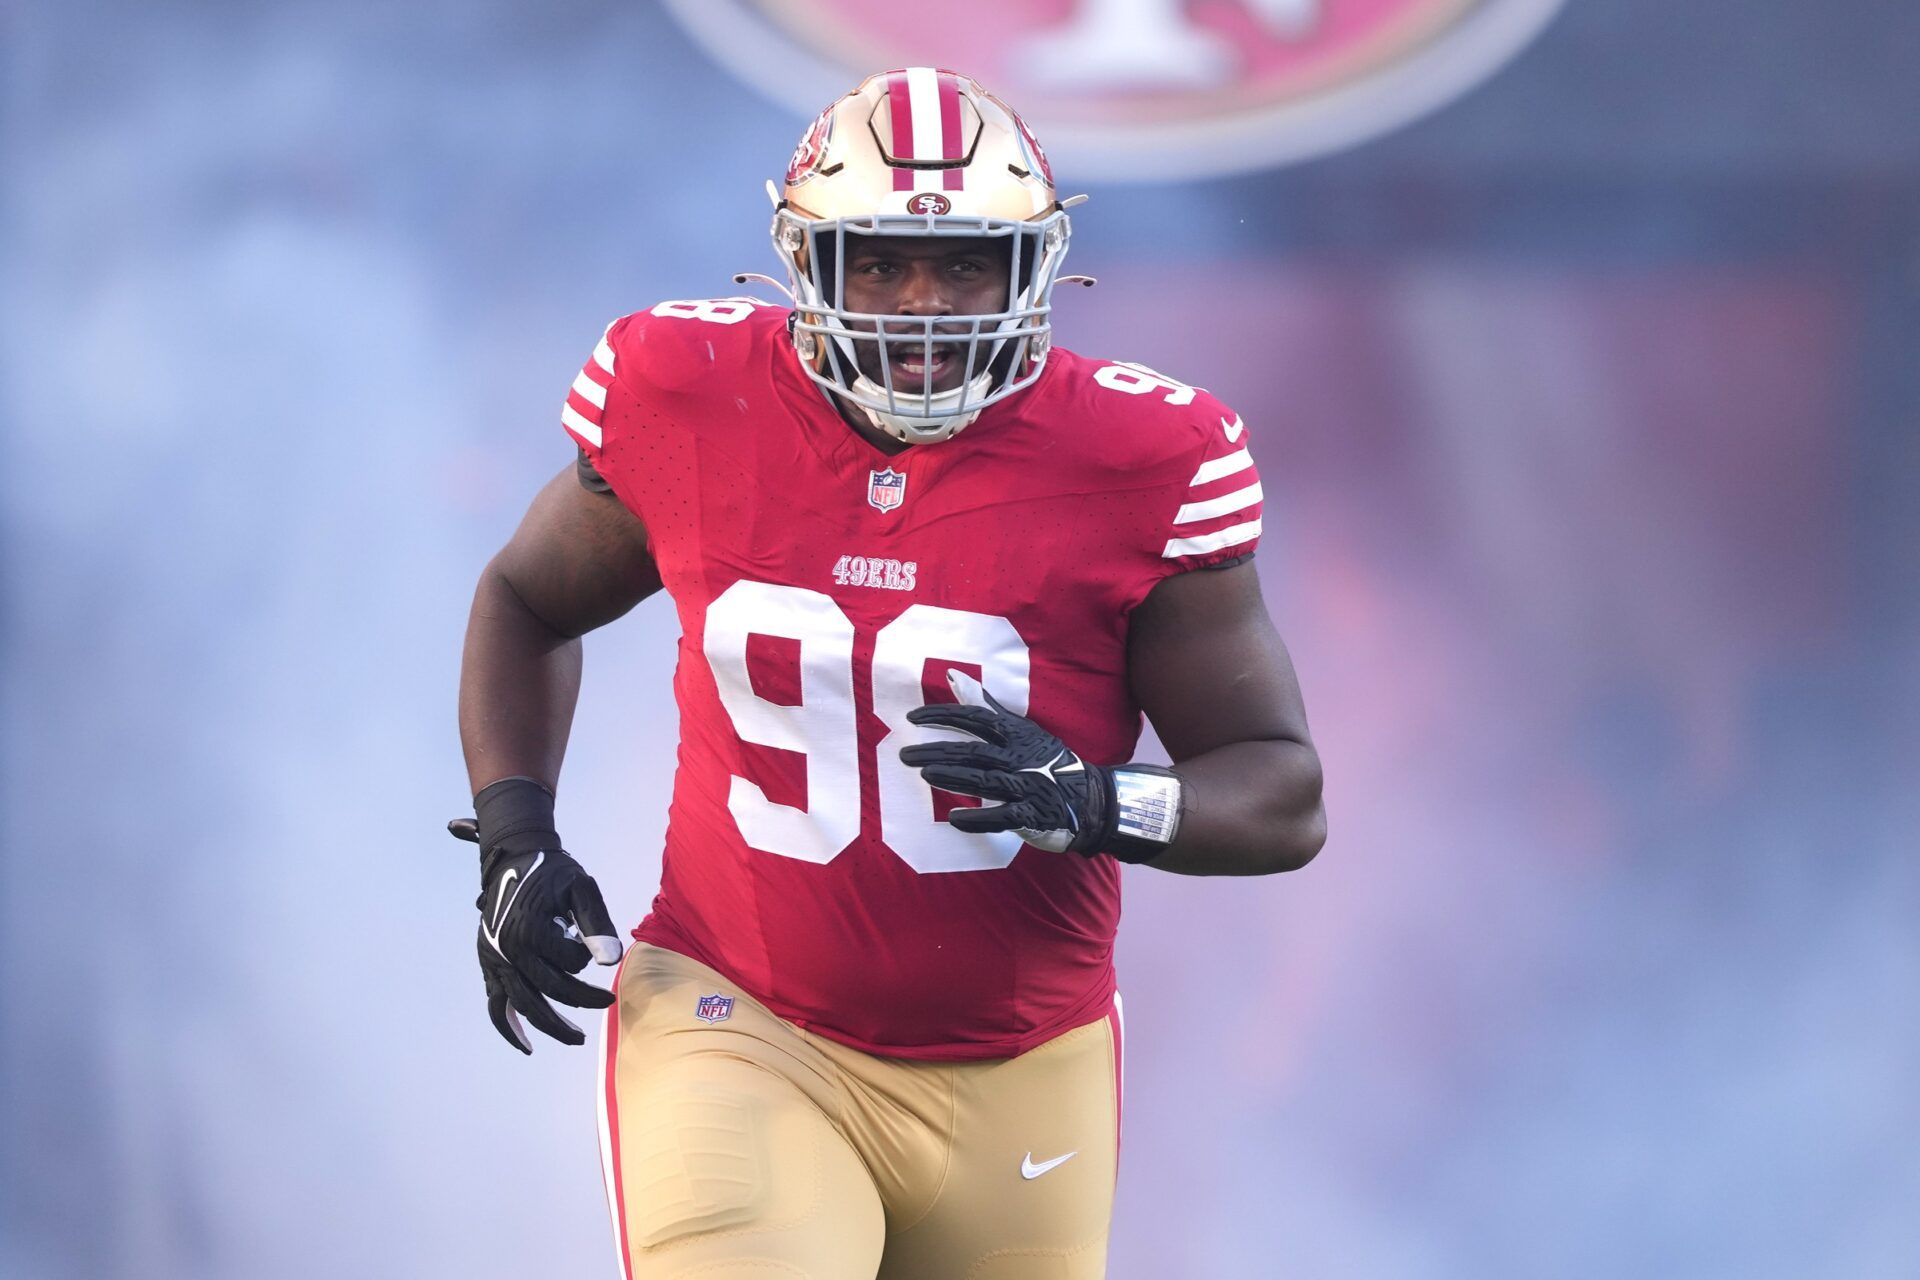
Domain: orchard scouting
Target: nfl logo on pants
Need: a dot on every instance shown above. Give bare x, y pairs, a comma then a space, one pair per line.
715, 1008
886, 489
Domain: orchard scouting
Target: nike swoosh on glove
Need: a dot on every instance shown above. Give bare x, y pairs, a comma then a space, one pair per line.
1044, 792
541, 920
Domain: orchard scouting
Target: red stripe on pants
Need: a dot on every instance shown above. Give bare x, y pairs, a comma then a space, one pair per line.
616, 1195
1119, 1078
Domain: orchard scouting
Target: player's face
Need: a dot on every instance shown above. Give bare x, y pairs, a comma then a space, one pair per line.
924, 276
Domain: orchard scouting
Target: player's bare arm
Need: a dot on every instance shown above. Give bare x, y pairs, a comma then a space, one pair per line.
578, 561
1208, 667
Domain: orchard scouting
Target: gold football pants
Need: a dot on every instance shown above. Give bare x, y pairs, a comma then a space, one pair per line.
737, 1145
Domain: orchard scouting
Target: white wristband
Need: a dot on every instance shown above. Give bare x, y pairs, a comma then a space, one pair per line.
1148, 803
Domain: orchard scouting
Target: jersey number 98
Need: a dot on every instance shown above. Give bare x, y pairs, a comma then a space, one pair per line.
823, 725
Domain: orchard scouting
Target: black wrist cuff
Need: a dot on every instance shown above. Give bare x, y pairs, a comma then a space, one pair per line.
1097, 816
515, 816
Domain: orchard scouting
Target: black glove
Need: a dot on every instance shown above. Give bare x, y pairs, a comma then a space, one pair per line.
541, 914
1049, 796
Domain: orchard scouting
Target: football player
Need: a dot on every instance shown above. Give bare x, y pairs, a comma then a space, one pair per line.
930, 570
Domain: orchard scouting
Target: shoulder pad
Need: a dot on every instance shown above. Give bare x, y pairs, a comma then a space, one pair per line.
1142, 417
675, 343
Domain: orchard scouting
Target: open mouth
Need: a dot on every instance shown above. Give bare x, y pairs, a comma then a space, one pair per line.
913, 366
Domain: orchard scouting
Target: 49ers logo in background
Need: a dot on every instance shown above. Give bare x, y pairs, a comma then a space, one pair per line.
1147, 90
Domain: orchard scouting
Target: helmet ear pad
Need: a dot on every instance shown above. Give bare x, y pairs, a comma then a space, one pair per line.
827, 280
828, 276
812, 351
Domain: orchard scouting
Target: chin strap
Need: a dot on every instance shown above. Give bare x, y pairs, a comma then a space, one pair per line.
921, 430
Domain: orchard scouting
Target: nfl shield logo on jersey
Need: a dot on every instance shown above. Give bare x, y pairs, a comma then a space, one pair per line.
886, 489
715, 1008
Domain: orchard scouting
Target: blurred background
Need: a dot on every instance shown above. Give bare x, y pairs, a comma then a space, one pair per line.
1579, 349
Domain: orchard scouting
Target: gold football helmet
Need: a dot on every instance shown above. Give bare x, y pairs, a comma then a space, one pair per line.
919, 152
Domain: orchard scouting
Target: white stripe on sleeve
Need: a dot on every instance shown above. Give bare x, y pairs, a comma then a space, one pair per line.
590, 391
1238, 500
1226, 465
923, 99
602, 355
579, 425
1203, 543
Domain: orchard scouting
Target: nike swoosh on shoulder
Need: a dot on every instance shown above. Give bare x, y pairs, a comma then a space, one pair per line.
1029, 1170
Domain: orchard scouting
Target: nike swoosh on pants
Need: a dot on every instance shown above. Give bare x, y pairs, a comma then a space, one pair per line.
1029, 1170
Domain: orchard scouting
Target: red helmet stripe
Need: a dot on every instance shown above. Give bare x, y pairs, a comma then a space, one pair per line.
950, 128
900, 102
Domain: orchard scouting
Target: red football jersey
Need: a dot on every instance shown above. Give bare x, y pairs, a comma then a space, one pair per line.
824, 589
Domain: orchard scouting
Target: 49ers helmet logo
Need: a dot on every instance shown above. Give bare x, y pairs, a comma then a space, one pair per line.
929, 202
1147, 90
807, 156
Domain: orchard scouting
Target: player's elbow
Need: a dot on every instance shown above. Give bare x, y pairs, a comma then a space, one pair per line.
501, 601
